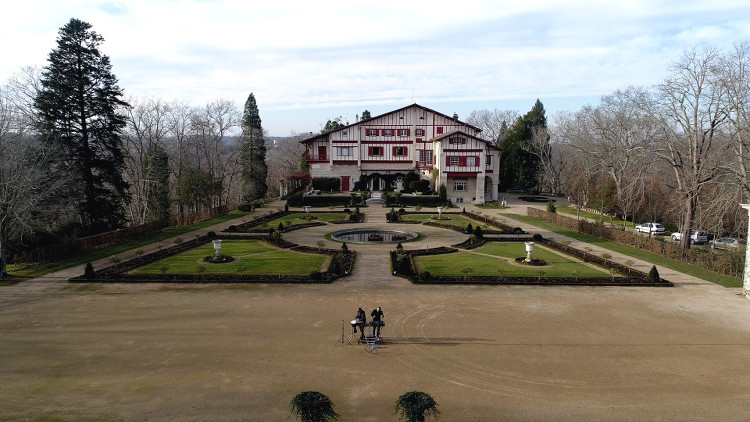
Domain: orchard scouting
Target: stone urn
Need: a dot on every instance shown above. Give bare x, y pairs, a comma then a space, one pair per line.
529, 249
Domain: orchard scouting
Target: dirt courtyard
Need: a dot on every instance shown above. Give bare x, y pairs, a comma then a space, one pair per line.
239, 353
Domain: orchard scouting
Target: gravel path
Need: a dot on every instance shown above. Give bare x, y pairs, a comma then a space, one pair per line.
161, 352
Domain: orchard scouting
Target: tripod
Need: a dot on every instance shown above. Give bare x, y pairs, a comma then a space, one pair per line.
343, 338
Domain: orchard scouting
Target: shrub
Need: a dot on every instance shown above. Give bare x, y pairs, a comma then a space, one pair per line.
653, 275
312, 406
551, 207
281, 226
424, 276
286, 207
414, 406
211, 234
114, 259
326, 184
537, 237
443, 193
478, 233
294, 200
344, 248
139, 251
88, 272
178, 240
469, 228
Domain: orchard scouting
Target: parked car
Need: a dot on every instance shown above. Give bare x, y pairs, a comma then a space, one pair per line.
696, 236
653, 228
727, 243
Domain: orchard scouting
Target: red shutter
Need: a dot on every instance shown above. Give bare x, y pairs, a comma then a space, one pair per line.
476, 160
440, 130
447, 161
462, 161
394, 151
369, 151
406, 151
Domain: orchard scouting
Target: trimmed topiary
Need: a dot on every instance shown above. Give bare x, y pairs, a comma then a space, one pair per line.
653, 275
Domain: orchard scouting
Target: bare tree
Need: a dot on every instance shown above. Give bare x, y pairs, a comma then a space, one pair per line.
211, 127
283, 160
149, 123
734, 71
494, 124
23, 183
689, 108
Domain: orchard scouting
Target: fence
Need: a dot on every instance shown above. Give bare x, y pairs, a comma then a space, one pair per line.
72, 247
730, 263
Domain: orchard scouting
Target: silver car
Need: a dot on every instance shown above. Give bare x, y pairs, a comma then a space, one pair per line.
696, 236
727, 243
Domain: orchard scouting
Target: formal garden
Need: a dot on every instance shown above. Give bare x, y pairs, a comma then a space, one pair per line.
257, 252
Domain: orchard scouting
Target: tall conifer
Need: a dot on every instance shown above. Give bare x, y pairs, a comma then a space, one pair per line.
253, 159
78, 107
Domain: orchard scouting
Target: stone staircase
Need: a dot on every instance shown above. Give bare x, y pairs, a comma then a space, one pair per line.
376, 198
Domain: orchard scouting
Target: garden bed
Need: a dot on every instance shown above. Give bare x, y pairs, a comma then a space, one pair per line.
342, 262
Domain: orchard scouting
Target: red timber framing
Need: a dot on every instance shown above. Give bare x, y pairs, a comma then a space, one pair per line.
412, 138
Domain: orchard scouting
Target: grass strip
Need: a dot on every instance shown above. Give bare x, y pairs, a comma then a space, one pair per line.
251, 257
689, 269
496, 259
28, 271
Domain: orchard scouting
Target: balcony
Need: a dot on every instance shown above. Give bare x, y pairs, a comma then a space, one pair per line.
312, 158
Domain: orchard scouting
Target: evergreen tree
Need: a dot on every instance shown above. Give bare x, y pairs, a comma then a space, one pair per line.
520, 163
254, 169
157, 177
78, 115
366, 115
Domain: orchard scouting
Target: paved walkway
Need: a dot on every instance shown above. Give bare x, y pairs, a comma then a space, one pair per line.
372, 258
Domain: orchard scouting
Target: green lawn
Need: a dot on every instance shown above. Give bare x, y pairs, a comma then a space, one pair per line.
682, 267
254, 257
27, 271
452, 220
590, 215
492, 260
300, 218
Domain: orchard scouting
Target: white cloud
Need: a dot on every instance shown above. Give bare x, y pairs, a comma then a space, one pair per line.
309, 55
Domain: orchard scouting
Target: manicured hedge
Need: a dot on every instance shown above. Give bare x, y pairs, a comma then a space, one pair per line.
326, 184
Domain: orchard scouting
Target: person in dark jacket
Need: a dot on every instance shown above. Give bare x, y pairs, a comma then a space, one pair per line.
377, 319
361, 321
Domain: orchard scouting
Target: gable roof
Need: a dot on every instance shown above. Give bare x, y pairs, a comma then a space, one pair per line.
468, 135
325, 134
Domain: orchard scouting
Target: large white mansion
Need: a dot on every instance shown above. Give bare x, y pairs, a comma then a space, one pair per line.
383, 148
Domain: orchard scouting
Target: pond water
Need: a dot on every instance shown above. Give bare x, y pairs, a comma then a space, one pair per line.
373, 235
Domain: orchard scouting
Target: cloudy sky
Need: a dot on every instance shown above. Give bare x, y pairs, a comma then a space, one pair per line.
310, 61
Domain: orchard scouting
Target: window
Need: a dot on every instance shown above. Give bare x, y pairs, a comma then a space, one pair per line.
345, 151
387, 132
459, 200
471, 161
376, 151
459, 185
343, 133
399, 151
372, 132
439, 130
403, 132
489, 161
456, 140
419, 132
453, 161
425, 156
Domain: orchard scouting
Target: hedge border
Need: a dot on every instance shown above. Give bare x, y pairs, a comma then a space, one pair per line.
343, 261
632, 277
